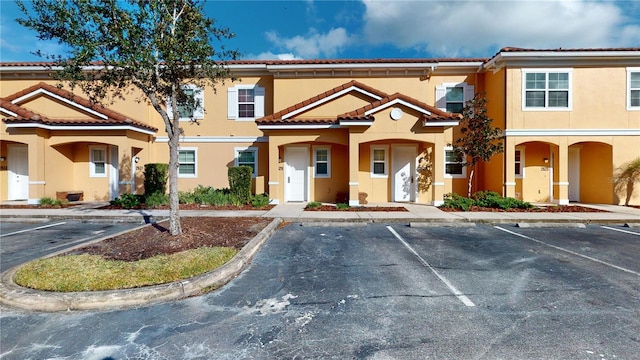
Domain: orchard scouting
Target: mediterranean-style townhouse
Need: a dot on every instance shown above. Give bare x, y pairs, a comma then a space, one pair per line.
374, 130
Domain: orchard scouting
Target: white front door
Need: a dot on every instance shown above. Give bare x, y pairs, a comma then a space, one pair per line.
18, 172
295, 173
114, 173
574, 174
404, 173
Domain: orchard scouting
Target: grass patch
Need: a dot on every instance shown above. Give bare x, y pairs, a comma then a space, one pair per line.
94, 273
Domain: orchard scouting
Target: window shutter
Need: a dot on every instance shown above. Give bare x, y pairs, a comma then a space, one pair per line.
469, 93
232, 103
198, 113
441, 100
258, 94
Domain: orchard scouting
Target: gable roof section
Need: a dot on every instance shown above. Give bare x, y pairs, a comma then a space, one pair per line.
431, 116
107, 118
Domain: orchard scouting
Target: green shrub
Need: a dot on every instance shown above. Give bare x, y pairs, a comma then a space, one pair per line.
455, 201
240, 183
261, 200
155, 178
487, 199
47, 201
157, 199
186, 197
314, 204
126, 201
342, 206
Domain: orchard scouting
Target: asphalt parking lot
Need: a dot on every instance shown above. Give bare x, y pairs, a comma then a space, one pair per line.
381, 291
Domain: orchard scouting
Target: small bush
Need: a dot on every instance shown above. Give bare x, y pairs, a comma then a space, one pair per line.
313, 205
455, 201
47, 201
240, 183
126, 201
157, 199
342, 206
186, 197
260, 201
155, 178
486, 199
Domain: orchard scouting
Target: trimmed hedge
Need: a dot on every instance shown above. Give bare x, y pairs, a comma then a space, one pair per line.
240, 183
155, 178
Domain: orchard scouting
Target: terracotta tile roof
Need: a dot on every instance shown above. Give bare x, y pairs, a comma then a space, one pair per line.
27, 116
517, 49
436, 114
277, 117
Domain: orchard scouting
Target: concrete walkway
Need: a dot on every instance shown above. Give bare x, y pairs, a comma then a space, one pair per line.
15, 296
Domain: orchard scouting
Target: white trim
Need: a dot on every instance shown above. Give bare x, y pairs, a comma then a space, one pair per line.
563, 202
468, 92
195, 163
198, 113
329, 98
217, 139
463, 175
438, 202
6, 111
546, 71
628, 90
355, 123
426, 123
37, 183
522, 162
92, 162
438, 183
83, 127
254, 149
572, 132
395, 102
296, 127
31, 201
354, 203
561, 183
274, 201
61, 98
233, 111
315, 148
386, 161
354, 183
509, 183
273, 183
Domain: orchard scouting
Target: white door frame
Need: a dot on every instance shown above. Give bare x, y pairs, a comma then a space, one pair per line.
398, 161
574, 173
290, 153
114, 173
17, 172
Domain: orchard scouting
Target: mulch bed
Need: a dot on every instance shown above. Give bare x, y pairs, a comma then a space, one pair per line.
546, 209
356, 208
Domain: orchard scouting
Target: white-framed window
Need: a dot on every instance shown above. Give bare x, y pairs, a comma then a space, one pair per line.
247, 156
322, 161
188, 160
380, 161
451, 97
191, 111
633, 88
519, 163
546, 89
453, 164
245, 102
97, 161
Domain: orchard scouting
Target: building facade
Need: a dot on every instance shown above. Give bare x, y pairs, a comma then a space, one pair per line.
341, 130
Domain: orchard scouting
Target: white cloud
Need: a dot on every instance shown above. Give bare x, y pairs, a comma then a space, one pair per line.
271, 56
314, 44
471, 28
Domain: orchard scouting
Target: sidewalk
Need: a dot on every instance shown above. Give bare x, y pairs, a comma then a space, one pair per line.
294, 212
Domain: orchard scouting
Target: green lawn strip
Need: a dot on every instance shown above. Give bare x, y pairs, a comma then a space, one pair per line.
94, 273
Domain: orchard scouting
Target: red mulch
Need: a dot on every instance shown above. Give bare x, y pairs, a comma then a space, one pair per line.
551, 209
357, 208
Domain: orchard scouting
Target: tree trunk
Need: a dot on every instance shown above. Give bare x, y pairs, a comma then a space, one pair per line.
174, 206
470, 182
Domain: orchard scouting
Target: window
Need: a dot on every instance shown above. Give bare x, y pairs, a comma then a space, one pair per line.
98, 161
519, 163
379, 161
247, 157
547, 89
187, 161
451, 97
193, 110
322, 161
633, 84
245, 102
453, 167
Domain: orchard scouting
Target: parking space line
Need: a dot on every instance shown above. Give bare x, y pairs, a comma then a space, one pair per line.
569, 251
465, 300
36, 228
620, 230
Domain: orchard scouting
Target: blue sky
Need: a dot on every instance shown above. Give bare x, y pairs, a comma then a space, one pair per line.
320, 29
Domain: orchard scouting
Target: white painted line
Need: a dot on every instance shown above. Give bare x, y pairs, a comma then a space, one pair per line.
465, 300
37, 228
570, 252
623, 231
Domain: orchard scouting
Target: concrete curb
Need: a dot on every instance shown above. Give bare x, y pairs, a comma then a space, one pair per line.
16, 296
